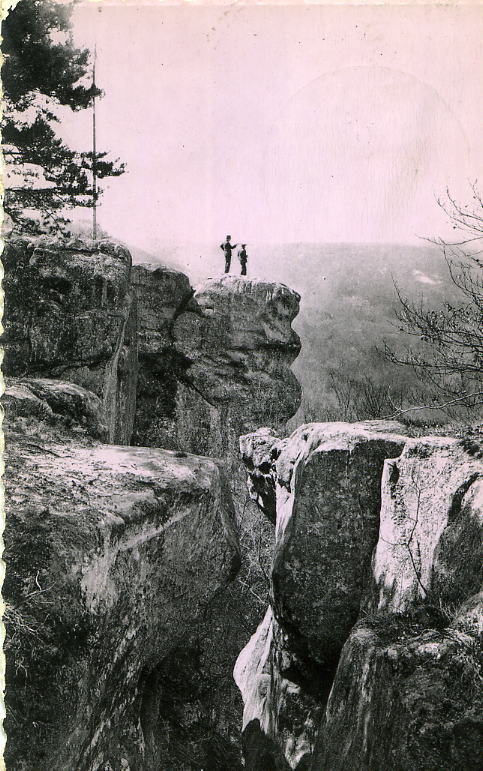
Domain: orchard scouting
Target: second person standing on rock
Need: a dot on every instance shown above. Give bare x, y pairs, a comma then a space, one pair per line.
243, 257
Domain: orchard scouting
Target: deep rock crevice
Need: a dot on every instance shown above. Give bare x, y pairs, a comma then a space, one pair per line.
123, 616
396, 619
135, 547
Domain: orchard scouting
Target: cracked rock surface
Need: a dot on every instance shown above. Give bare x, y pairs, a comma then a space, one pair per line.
368, 655
132, 545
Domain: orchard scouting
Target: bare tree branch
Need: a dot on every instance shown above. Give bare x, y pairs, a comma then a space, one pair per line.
435, 406
449, 354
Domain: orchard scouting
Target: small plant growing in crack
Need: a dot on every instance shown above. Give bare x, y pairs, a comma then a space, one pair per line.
411, 543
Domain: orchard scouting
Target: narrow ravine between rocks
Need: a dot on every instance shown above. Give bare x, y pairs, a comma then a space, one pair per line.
165, 528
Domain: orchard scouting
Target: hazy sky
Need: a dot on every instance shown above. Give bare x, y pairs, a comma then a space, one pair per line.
283, 123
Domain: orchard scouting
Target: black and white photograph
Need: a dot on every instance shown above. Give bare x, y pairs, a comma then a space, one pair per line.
242, 385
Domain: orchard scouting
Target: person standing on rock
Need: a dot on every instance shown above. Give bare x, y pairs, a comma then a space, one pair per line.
243, 257
227, 248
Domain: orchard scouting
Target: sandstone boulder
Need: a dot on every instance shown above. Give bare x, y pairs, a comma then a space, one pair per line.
403, 699
19, 401
328, 500
261, 449
114, 553
44, 398
431, 526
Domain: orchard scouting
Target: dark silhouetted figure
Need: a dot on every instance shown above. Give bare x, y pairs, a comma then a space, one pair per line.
243, 257
227, 248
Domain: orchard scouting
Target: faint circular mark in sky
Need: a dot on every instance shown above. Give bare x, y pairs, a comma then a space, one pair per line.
359, 154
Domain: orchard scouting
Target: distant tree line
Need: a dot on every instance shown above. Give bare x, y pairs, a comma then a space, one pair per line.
431, 370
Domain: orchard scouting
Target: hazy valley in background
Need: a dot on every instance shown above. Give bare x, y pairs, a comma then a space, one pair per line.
347, 311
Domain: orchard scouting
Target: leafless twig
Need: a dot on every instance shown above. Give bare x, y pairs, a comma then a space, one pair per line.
435, 406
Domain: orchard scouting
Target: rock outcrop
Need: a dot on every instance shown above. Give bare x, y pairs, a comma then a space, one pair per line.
213, 362
172, 367
113, 555
371, 631
328, 478
132, 355
44, 399
70, 314
240, 343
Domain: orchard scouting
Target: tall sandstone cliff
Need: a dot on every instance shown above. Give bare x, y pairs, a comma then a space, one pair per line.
98, 350
367, 657
125, 611
172, 367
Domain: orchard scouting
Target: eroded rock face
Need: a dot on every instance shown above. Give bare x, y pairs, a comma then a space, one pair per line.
328, 500
403, 700
161, 295
373, 597
431, 523
70, 314
240, 345
43, 398
132, 545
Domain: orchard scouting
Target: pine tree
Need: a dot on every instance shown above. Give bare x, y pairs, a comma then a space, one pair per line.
43, 71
